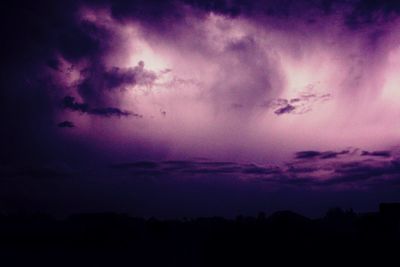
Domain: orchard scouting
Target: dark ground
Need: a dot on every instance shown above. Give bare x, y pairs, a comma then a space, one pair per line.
109, 239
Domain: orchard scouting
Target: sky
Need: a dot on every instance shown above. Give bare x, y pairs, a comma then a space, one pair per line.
199, 108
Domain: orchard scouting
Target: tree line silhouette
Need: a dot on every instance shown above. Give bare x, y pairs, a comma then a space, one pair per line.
111, 239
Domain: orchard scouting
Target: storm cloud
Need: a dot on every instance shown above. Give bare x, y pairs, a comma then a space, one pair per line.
70, 103
276, 93
189, 57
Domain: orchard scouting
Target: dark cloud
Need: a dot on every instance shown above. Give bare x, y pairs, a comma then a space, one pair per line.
231, 8
384, 154
194, 185
36, 34
369, 169
349, 171
212, 171
261, 170
276, 9
284, 110
98, 81
301, 169
332, 154
70, 104
322, 155
366, 12
115, 78
363, 175
354, 13
157, 14
55, 24
307, 154
193, 167
66, 124
298, 105
109, 112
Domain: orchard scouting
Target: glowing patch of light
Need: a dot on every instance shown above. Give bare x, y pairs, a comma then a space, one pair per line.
152, 60
391, 91
310, 73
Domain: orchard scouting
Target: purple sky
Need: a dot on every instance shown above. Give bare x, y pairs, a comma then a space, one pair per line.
226, 106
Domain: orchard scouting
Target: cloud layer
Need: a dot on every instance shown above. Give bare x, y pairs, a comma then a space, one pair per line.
158, 83
310, 183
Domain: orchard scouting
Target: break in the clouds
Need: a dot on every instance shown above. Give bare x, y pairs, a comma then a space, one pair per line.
231, 81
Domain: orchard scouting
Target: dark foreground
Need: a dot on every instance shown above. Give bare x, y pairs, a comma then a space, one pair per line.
341, 237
